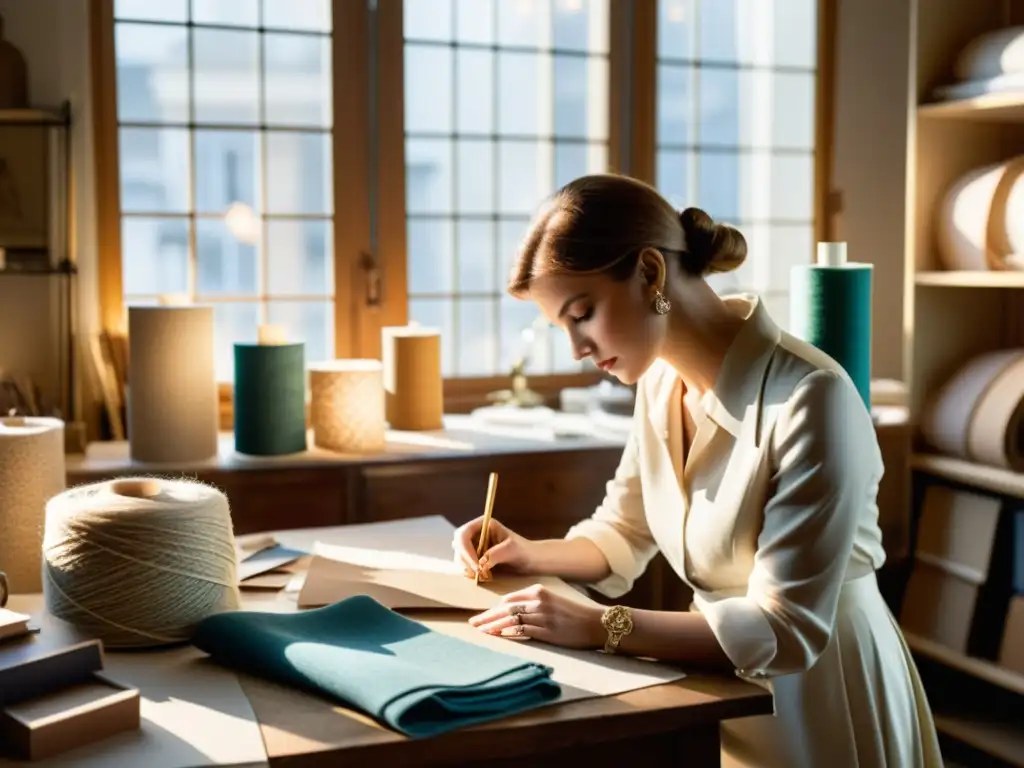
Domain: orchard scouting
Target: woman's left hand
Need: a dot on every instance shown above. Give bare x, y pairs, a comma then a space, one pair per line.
538, 613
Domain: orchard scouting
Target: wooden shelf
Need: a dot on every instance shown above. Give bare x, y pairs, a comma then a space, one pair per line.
32, 117
1003, 107
1002, 740
982, 669
994, 479
968, 279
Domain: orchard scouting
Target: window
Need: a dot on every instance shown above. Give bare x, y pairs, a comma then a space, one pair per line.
224, 112
735, 128
505, 100
338, 165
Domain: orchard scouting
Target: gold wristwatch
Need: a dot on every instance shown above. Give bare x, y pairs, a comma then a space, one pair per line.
617, 622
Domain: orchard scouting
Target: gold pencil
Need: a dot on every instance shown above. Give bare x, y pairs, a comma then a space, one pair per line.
482, 545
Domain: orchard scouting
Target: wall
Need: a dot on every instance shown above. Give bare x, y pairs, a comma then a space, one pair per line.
53, 35
872, 97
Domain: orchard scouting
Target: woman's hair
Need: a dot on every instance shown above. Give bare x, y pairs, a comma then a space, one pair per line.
602, 223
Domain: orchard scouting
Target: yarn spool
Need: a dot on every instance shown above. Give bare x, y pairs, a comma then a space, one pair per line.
139, 562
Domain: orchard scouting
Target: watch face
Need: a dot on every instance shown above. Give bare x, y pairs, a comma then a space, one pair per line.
619, 621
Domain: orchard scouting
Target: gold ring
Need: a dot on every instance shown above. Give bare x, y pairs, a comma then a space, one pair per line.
517, 609
520, 630
518, 617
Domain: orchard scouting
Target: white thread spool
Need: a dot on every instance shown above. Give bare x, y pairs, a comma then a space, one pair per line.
139, 562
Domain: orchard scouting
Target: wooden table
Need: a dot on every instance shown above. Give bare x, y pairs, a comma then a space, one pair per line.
665, 724
668, 722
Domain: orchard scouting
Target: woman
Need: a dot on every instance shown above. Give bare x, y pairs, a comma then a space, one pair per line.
752, 466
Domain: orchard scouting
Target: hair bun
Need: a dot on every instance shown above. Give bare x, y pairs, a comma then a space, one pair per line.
713, 247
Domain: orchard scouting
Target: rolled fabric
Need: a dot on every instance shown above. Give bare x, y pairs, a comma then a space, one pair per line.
980, 223
996, 432
978, 413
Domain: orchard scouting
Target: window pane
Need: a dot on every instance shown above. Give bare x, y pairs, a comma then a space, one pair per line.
440, 314
427, 19
527, 110
719, 107
793, 110
226, 13
675, 29
299, 258
675, 104
674, 180
312, 322
152, 73
297, 80
523, 107
524, 23
430, 255
793, 187
154, 170
476, 256
225, 265
226, 170
478, 337
474, 21
474, 91
516, 317
234, 323
154, 255
428, 172
298, 175
309, 15
166, 10
428, 89
227, 77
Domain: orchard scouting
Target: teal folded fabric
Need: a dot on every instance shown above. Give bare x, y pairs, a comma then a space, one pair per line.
364, 655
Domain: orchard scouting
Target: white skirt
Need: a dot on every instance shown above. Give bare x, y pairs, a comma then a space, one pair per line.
861, 705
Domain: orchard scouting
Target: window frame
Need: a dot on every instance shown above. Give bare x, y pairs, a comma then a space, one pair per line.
368, 141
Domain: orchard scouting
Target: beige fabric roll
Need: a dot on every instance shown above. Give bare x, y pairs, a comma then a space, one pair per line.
996, 433
347, 406
980, 224
948, 415
173, 406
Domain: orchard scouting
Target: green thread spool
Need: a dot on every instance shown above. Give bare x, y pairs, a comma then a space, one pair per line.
830, 307
270, 399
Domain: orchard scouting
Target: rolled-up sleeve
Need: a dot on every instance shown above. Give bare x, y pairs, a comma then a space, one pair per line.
826, 467
619, 526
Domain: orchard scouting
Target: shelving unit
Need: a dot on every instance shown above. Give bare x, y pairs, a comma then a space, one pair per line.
950, 317
55, 261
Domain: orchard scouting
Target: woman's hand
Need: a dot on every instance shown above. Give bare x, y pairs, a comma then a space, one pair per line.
506, 548
537, 612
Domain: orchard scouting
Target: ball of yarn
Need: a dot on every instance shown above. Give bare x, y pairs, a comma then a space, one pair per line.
139, 562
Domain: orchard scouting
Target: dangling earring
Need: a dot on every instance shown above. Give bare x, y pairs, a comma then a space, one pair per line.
661, 304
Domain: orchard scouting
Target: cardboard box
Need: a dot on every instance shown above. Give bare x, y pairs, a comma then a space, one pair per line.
83, 713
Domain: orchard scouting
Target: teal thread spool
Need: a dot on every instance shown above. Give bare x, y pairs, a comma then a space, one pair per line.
830, 307
270, 399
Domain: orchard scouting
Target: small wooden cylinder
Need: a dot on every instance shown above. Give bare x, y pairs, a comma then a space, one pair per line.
413, 381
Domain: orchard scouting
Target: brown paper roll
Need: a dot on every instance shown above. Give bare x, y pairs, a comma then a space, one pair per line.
996, 433
172, 401
413, 382
347, 405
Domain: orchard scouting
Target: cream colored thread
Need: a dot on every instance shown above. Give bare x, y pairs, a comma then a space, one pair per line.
143, 569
